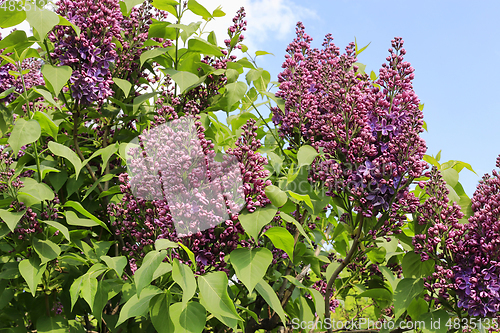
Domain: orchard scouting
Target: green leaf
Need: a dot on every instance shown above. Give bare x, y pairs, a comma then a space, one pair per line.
46, 249
331, 269
378, 294
234, 93
63, 151
106, 289
218, 12
116, 263
197, 44
251, 265
9, 271
417, 307
57, 76
139, 100
393, 282
131, 4
168, 5
138, 306
453, 196
46, 124
435, 321
406, 290
253, 222
6, 296
163, 244
198, 9
189, 253
318, 301
302, 197
162, 269
63, 21
57, 324
306, 155
259, 53
212, 38
80, 209
450, 176
276, 195
57, 180
145, 56
188, 318
59, 227
299, 227
269, 295
281, 239
73, 219
214, 296
159, 310
184, 277
377, 255
144, 275
10, 18
24, 132
74, 291
124, 85
34, 192
11, 218
182, 78
48, 97
42, 20
32, 272
414, 267
101, 247
89, 289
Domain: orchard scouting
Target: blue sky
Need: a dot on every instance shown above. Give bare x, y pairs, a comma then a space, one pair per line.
454, 47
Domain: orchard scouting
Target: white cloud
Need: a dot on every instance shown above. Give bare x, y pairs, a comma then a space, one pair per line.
267, 19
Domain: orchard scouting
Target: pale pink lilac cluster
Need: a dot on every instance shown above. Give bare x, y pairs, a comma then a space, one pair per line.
141, 222
368, 130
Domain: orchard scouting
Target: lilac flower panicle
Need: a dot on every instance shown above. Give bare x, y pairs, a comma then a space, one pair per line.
368, 131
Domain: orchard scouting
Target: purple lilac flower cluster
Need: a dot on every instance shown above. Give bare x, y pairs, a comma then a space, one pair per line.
438, 232
477, 259
236, 30
91, 53
368, 131
252, 167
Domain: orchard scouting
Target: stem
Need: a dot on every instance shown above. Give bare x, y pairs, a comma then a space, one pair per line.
105, 144
30, 116
79, 152
270, 130
339, 269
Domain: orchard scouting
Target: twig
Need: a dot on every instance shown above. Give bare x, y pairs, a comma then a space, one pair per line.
339, 269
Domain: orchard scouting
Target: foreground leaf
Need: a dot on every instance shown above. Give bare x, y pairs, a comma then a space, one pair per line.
32, 272
251, 265
253, 222
214, 296
138, 306
24, 132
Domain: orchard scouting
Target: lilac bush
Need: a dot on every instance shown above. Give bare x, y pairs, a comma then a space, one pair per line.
143, 188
